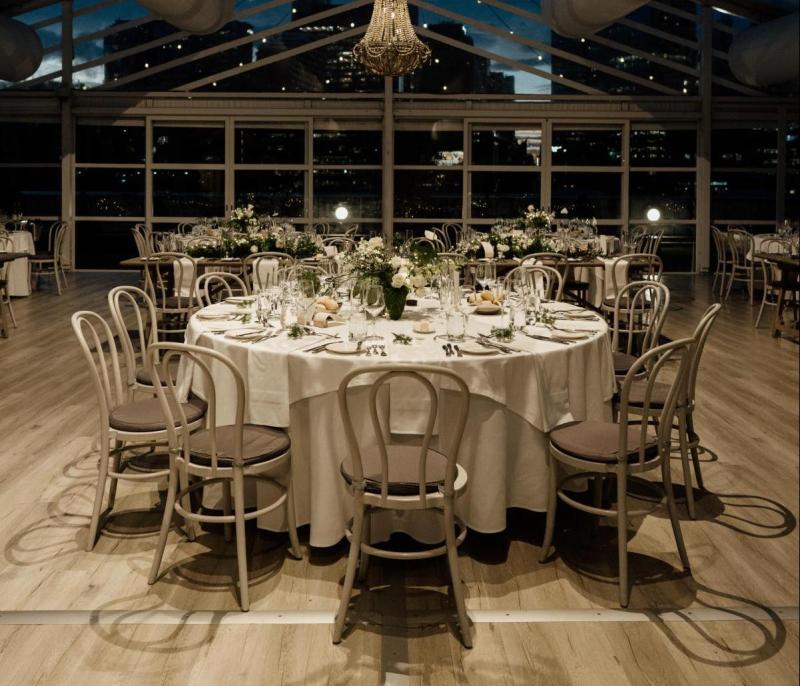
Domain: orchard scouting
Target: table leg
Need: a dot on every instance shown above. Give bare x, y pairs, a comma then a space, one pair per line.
779, 312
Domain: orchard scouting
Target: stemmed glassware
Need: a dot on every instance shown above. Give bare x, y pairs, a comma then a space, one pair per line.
486, 274
374, 303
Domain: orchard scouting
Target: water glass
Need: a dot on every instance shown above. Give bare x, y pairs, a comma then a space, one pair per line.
358, 324
456, 323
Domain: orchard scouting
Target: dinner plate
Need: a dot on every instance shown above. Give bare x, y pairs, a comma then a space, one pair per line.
244, 333
211, 317
579, 314
344, 348
476, 349
488, 309
570, 335
236, 299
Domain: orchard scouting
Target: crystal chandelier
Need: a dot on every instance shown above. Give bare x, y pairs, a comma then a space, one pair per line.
390, 47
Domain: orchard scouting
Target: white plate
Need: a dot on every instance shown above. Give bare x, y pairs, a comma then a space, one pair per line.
424, 333
578, 314
236, 299
245, 334
344, 348
488, 309
475, 349
210, 317
570, 335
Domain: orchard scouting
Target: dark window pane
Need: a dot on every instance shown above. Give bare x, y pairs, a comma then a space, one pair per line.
601, 148
663, 148
440, 148
102, 244
793, 146
270, 146
29, 142
755, 147
280, 193
30, 192
500, 147
587, 195
677, 247
434, 194
348, 147
792, 197
115, 144
199, 145
503, 195
359, 191
109, 192
672, 193
742, 195
189, 193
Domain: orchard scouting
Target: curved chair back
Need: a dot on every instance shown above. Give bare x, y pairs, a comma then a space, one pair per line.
545, 281
214, 287
639, 313
649, 242
434, 243
653, 363
452, 234
341, 243
635, 266
140, 239
556, 260
94, 336
131, 306
701, 333
261, 269
6, 245
742, 247
421, 375
196, 359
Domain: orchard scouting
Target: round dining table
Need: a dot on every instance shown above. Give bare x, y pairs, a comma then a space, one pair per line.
517, 396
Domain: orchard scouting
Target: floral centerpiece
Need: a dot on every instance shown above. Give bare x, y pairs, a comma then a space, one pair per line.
243, 220
273, 238
399, 274
506, 242
535, 220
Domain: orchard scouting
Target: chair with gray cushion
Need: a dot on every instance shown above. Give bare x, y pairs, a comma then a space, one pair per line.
381, 474
169, 281
688, 440
639, 314
227, 455
596, 450
126, 425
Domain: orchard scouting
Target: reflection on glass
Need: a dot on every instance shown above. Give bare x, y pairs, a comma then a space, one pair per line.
113, 144
195, 144
756, 147
270, 146
793, 146
663, 147
673, 193
30, 142
30, 192
587, 147
791, 210
280, 193
109, 192
102, 244
188, 193
358, 190
503, 195
439, 148
742, 195
428, 194
348, 147
507, 147
586, 194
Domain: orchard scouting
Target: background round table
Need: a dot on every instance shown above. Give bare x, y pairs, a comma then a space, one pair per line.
516, 399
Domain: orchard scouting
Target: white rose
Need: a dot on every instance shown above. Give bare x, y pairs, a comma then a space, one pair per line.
396, 262
254, 248
398, 281
564, 210
502, 247
376, 242
418, 281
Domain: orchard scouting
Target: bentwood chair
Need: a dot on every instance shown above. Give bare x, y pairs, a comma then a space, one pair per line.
6, 245
649, 242
169, 281
540, 279
722, 248
621, 449
639, 314
688, 440
226, 455
404, 477
133, 311
214, 287
125, 424
771, 273
261, 269
627, 268
452, 234
340, 244
743, 264
50, 262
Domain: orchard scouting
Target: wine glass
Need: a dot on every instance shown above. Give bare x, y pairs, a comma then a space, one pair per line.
374, 304
483, 274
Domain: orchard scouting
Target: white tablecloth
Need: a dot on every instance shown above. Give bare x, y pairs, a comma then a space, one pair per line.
19, 283
601, 283
516, 400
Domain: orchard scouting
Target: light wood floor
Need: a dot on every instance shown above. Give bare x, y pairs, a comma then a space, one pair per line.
743, 549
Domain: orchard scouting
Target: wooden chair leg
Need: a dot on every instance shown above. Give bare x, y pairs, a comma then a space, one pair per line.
687, 473
58, 281
363, 564
666, 478
455, 574
99, 494
112, 490
350, 573
241, 539
186, 503
166, 522
698, 474
3, 320
227, 509
552, 500
622, 535
291, 521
